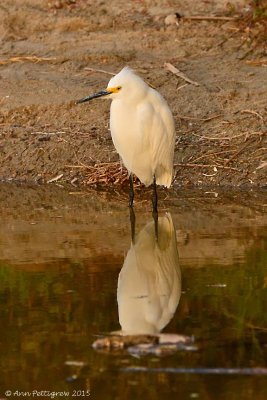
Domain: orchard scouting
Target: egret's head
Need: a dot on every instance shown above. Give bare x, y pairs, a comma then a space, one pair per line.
124, 85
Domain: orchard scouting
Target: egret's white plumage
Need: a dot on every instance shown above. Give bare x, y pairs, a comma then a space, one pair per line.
142, 128
149, 284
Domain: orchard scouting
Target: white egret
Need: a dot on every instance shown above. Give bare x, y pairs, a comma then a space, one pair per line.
142, 130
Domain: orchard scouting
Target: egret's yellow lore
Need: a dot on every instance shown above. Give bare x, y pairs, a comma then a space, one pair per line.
142, 129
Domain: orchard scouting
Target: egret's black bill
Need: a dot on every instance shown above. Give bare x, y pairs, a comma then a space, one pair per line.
93, 96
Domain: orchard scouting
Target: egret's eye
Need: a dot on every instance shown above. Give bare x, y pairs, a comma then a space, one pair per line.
118, 87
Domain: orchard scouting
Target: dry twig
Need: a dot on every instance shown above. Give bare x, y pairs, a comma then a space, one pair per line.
102, 71
192, 165
262, 165
252, 112
171, 68
208, 18
230, 137
55, 179
181, 87
199, 119
257, 62
108, 173
33, 59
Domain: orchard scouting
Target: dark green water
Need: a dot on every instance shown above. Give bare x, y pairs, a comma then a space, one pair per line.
60, 257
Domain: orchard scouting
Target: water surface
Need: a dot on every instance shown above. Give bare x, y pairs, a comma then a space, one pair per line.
61, 252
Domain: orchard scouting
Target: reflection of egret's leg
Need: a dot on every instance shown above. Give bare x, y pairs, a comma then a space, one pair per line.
132, 220
155, 206
131, 191
155, 217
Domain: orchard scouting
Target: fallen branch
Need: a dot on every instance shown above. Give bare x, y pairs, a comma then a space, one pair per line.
252, 112
257, 62
230, 137
102, 71
171, 68
208, 18
199, 119
193, 165
33, 59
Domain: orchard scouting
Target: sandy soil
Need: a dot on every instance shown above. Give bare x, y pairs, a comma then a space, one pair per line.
46, 47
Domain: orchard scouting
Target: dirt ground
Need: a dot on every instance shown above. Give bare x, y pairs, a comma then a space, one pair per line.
47, 51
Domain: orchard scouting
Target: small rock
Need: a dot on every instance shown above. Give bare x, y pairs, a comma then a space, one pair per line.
172, 19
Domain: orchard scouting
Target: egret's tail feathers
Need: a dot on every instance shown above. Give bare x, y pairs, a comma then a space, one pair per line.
164, 178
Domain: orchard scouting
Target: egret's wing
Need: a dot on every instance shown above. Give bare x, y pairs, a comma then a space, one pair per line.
156, 126
163, 142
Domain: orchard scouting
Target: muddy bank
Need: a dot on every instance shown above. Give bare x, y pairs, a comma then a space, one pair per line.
46, 48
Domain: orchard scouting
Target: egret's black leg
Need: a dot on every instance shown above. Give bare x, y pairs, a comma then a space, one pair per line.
155, 206
155, 196
132, 220
131, 191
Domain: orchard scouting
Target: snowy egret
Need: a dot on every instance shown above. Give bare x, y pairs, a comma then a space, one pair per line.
149, 283
142, 130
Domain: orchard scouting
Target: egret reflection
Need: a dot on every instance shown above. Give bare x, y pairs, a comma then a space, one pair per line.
149, 284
